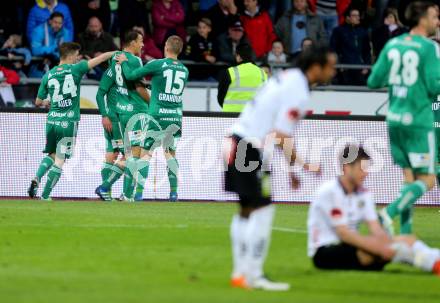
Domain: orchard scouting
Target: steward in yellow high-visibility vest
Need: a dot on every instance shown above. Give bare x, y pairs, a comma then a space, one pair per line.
240, 83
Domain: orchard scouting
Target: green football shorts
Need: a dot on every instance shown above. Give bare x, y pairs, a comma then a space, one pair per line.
414, 148
133, 128
60, 138
113, 139
165, 132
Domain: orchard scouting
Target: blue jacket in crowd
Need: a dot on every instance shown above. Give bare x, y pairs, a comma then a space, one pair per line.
39, 14
44, 41
352, 44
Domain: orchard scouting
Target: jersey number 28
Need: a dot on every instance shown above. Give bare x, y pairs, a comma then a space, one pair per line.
404, 68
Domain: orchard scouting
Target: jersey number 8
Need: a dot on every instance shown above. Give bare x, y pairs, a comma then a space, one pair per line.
403, 67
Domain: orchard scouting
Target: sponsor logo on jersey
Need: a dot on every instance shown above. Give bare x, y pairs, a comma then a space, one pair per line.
167, 111
129, 107
70, 114
122, 91
164, 65
57, 114
64, 124
419, 160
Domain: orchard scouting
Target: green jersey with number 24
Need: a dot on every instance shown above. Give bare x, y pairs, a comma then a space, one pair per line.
168, 81
62, 85
410, 66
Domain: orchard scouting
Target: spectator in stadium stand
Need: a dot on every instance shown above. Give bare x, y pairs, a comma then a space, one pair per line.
220, 14
8, 78
93, 8
205, 5
150, 51
278, 8
276, 56
168, 19
297, 24
238, 84
392, 27
201, 47
13, 47
133, 13
48, 36
331, 12
42, 10
95, 41
9, 20
258, 28
352, 44
228, 42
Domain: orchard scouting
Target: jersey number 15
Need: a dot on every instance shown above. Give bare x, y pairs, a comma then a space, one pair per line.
174, 78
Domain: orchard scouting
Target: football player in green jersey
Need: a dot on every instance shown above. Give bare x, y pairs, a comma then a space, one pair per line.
62, 85
410, 66
124, 100
169, 77
436, 111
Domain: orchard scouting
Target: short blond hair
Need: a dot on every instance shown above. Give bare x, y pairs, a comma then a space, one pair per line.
174, 44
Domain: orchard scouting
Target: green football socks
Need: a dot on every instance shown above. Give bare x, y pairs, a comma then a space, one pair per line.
53, 176
129, 176
406, 221
45, 165
409, 194
142, 166
110, 174
173, 170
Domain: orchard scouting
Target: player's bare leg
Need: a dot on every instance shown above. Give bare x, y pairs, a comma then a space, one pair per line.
43, 168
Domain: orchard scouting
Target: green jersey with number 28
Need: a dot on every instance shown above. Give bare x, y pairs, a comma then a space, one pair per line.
410, 66
168, 81
62, 85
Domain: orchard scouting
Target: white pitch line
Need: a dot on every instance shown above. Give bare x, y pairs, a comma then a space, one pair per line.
290, 230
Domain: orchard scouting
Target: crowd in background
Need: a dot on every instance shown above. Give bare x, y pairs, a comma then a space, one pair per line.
277, 31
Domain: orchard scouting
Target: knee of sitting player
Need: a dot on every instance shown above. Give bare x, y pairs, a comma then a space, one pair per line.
408, 239
429, 180
365, 258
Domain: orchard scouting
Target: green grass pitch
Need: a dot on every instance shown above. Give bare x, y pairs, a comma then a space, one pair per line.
176, 252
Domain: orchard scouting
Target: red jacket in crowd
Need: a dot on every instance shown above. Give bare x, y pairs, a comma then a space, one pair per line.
259, 30
167, 20
11, 76
150, 49
341, 7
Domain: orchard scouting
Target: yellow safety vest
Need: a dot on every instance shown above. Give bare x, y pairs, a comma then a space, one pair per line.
246, 78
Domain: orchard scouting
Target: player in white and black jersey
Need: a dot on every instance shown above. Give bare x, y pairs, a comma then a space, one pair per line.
340, 207
267, 121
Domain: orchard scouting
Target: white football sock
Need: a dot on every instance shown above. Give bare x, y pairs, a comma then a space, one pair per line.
404, 253
238, 230
424, 256
258, 234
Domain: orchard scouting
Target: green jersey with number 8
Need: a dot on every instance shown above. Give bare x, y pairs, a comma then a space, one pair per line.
168, 81
410, 66
62, 85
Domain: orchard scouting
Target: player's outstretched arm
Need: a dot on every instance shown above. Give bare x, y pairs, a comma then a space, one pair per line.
100, 59
371, 244
143, 92
379, 73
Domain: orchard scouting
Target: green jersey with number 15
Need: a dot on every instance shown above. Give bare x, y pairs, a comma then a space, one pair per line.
168, 81
62, 85
410, 66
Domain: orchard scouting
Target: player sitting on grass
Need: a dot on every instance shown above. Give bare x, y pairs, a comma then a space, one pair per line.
62, 85
168, 81
126, 101
337, 211
410, 66
268, 120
